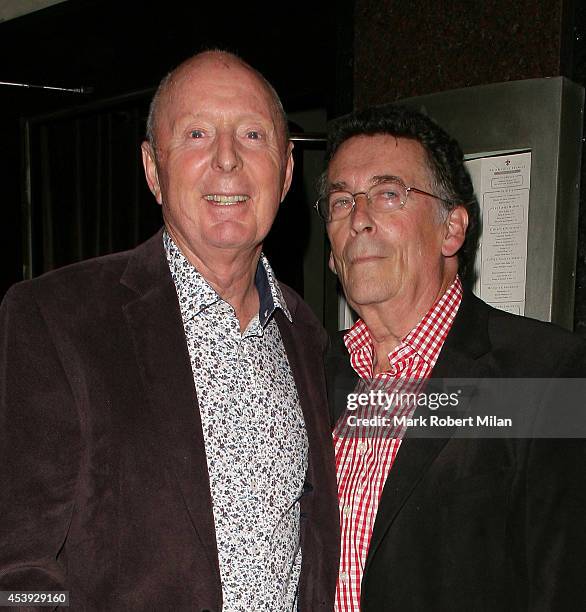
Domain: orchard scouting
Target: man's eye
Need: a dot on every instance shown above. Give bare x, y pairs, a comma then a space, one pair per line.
389, 194
196, 134
253, 135
387, 190
340, 203
385, 193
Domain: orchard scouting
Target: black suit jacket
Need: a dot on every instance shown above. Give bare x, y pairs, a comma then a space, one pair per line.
482, 524
105, 489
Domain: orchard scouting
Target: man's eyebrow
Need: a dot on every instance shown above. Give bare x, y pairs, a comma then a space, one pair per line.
338, 186
375, 180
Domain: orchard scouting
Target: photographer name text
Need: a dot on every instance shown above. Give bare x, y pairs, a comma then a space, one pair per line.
431, 421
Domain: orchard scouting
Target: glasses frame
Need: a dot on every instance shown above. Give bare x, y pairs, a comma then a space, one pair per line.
366, 193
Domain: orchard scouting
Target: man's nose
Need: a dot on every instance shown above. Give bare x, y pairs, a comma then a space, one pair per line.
360, 217
226, 157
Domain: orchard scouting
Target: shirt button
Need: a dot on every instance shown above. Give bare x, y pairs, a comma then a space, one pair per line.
361, 447
344, 577
347, 511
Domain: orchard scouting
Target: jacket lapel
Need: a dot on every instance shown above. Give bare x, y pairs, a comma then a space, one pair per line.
467, 341
319, 508
340, 377
154, 320
306, 362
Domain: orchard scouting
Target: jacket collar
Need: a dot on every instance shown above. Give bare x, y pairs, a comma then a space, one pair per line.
467, 341
147, 266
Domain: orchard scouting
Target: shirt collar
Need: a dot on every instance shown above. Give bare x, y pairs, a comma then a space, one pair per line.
426, 338
196, 294
269, 292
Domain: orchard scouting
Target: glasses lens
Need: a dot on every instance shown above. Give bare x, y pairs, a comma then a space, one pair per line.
335, 205
339, 204
388, 195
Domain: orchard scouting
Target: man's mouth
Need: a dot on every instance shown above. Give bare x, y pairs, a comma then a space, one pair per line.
362, 256
365, 258
225, 200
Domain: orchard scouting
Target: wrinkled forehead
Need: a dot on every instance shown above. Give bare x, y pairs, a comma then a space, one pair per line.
188, 86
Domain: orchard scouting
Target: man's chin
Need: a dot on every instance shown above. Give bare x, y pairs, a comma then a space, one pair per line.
359, 299
365, 291
230, 234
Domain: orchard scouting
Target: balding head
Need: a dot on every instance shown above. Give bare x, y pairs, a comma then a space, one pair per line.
220, 163
168, 87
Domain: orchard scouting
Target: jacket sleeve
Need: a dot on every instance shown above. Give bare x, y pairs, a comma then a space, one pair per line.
40, 448
555, 545
556, 524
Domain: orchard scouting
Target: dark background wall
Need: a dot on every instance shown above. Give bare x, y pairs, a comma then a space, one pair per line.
121, 50
334, 55
433, 45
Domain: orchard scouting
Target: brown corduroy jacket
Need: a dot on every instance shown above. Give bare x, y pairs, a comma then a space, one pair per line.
104, 486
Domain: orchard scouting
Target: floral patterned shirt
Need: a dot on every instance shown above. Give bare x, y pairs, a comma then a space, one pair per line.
254, 433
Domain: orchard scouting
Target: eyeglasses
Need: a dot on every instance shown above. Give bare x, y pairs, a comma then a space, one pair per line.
388, 195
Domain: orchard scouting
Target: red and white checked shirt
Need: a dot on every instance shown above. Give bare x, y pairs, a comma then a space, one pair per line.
365, 455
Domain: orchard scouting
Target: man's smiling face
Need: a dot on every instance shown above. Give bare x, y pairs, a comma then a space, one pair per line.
222, 164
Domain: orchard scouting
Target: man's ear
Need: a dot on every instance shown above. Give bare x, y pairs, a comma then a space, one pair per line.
455, 234
332, 264
150, 170
288, 171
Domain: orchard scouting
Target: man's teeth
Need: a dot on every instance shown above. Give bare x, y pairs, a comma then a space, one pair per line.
225, 199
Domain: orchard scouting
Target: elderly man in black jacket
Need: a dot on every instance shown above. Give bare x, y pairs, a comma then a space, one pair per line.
448, 522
